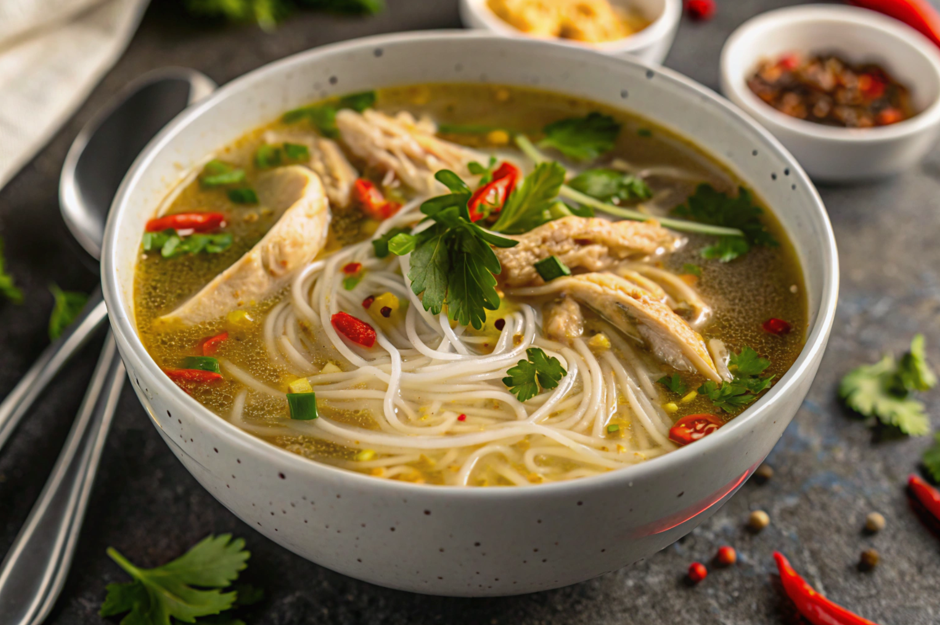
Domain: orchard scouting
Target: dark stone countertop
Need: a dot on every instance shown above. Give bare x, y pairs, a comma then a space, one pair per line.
830, 471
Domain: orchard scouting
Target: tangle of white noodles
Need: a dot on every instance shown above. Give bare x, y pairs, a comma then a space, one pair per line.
435, 392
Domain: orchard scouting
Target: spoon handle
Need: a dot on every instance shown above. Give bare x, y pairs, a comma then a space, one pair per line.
35, 568
48, 364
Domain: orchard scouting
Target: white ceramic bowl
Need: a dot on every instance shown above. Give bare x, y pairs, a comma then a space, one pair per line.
448, 540
651, 44
840, 154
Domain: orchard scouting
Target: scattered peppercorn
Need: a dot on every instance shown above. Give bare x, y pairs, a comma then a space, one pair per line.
764, 473
386, 312
697, 572
758, 521
499, 324
700, 10
726, 556
869, 560
874, 523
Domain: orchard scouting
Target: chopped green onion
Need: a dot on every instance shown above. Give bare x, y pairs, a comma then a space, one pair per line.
551, 268
203, 363
380, 245
243, 196
219, 174
267, 156
303, 406
350, 282
296, 151
613, 427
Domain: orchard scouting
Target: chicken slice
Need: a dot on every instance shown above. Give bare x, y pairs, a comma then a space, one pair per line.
403, 147
298, 236
633, 311
562, 319
327, 161
588, 243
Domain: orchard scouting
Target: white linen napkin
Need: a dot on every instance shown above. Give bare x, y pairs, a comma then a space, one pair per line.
52, 54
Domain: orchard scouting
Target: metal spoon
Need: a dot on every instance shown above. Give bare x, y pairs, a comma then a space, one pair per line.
34, 570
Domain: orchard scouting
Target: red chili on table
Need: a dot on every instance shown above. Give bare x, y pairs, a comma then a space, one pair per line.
726, 556
211, 345
359, 332
927, 495
694, 427
198, 222
700, 10
193, 376
697, 572
817, 609
776, 326
490, 198
918, 14
371, 200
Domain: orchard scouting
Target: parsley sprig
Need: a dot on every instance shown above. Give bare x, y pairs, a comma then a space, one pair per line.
674, 383
538, 372
172, 591
747, 383
267, 13
609, 185
582, 138
531, 204
883, 391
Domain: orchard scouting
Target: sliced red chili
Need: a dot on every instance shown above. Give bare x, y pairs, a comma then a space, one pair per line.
371, 200
367, 302
211, 345
777, 327
889, 116
198, 222
357, 331
926, 495
192, 376
694, 427
351, 269
490, 198
789, 62
817, 609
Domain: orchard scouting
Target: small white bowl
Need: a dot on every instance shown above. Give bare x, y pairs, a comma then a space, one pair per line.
650, 44
825, 152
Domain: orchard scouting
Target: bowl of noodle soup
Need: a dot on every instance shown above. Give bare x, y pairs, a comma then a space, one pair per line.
266, 268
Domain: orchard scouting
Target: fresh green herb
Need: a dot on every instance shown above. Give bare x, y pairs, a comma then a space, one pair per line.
609, 185
357, 101
531, 203
297, 151
171, 244
551, 268
747, 384
350, 282
644, 132
243, 196
613, 427
170, 591
7, 286
528, 376
691, 269
303, 406
465, 129
582, 138
220, 174
68, 305
883, 391
709, 206
203, 363
323, 116
267, 156
267, 13
674, 383
931, 458
486, 172
380, 245
452, 263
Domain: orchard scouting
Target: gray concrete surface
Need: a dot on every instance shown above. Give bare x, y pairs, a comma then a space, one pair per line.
830, 470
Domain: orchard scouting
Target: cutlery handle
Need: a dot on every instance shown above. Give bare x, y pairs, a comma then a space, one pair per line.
34, 570
48, 364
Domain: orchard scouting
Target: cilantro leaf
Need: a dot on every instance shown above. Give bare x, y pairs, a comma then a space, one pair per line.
709, 206
914, 373
872, 391
7, 287
267, 13
747, 363
609, 184
159, 594
931, 458
743, 389
68, 304
323, 116
674, 383
582, 138
530, 205
539, 371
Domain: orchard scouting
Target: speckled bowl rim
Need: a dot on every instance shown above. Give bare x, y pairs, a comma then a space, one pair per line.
126, 334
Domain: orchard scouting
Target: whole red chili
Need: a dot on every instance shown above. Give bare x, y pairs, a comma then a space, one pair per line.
776, 326
918, 14
726, 556
817, 609
700, 10
927, 495
192, 375
357, 331
352, 268
371, 200
198, 222
697, 572
211, 345
694, 427
490, 198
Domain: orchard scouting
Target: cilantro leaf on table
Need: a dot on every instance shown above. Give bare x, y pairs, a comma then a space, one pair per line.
531, 204
582, 138
7, 287
746, 385
68, 304
674, 383
931, 459
267, 13
323, 116
709, 206
172, 591
914, 373
607, 185
874, 391
538, 372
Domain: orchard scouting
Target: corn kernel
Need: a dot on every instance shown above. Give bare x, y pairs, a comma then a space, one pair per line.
330, 368
621, 449
300, 385
671, 407
365, 455
239, 319
599, 341
689, 278
535, 478
498, 137
690, 397
502, 95
377, 472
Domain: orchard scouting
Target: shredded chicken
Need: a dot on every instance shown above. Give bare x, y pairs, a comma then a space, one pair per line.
327, 161
562, 319
296, 238
590, 244
632, 310
403, 147
681, 297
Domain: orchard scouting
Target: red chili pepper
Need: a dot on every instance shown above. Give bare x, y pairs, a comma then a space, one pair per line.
490, 198
816, 608
789, 62
871, 86
697, 572
367, 302
694, 427
700, 10
357, 331
918, 14
199, 222
927, 495
197, 376
371, 200
351, 269
212, 344
462, 417
777, 327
